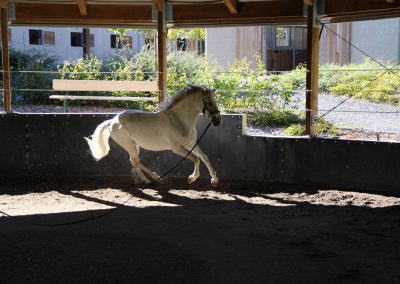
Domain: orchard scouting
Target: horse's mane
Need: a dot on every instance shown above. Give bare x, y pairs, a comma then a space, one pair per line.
184, 93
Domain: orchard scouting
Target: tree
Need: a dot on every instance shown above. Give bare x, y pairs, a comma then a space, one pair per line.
173, 34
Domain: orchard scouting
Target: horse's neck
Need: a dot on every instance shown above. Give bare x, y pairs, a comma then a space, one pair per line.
188, 109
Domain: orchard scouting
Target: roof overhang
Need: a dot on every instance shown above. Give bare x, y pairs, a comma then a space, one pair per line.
186, 13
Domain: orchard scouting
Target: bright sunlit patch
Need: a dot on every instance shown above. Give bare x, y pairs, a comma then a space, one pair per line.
75, 201
63, 200
216, 195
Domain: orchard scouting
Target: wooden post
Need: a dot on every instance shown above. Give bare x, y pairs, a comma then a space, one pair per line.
86, 42
162, 58
313, 30
6, 61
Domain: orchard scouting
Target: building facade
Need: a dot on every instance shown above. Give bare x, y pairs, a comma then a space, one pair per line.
67, 43
284, 48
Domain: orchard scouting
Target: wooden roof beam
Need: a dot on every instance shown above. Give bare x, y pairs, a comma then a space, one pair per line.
353, 10
232, 5
82, 5
283, 11
68, 15
3, 4
358, 6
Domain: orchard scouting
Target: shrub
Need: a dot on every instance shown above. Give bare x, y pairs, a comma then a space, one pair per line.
21, 65
325, 128
89, 68
295, 130
120, 66
242, 87
376, 88
188, 68
296, 77
282, 118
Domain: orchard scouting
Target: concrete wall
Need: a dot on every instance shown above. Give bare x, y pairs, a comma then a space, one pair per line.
63, 49
379, 38
221, 45
52, 145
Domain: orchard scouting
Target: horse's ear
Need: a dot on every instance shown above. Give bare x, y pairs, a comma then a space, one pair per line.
211, 91
208, 91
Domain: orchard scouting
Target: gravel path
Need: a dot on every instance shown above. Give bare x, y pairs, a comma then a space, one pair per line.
361, 118
366, 115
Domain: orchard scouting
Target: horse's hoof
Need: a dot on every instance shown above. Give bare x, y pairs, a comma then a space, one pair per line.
215, 182
191, 179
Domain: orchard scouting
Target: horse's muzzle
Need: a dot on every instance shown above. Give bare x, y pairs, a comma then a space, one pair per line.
216, 120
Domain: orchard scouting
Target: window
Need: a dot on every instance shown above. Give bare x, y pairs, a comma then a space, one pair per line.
282, 37
181, 44
49, 38
201, 46
36, 37
9, 35
117, 42
76, 39
127, 42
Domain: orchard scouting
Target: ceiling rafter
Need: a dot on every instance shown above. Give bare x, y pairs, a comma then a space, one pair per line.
82, 5
232, 5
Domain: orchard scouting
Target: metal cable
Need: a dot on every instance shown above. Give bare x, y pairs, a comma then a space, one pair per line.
363, 52
350, 96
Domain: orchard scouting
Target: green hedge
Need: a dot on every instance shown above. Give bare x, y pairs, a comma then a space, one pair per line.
21, 63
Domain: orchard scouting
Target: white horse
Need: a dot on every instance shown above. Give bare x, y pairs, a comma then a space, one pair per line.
170, 129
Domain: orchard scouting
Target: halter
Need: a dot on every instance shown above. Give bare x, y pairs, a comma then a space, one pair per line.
212, 114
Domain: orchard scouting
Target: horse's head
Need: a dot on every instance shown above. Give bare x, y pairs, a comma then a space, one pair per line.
210, 108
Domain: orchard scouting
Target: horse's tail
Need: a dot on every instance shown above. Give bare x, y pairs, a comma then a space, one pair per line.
98, 142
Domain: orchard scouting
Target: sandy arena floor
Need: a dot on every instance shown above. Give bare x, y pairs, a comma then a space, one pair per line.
174, 233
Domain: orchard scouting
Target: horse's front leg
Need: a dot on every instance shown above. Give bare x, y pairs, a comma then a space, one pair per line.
182, 151
214, 179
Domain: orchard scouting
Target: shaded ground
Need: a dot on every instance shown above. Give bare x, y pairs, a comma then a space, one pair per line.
174, 233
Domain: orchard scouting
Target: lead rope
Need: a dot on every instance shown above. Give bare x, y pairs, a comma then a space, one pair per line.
22, 220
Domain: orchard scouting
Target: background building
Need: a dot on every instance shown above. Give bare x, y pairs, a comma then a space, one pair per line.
283, 48
67, 43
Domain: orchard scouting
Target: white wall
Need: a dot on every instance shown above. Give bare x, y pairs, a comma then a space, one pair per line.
63, 49
221, 45
378, 38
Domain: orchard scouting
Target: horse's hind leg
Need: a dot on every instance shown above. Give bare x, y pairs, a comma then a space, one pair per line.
130, 146
152, 174
214, 179
196, 172
135, 164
